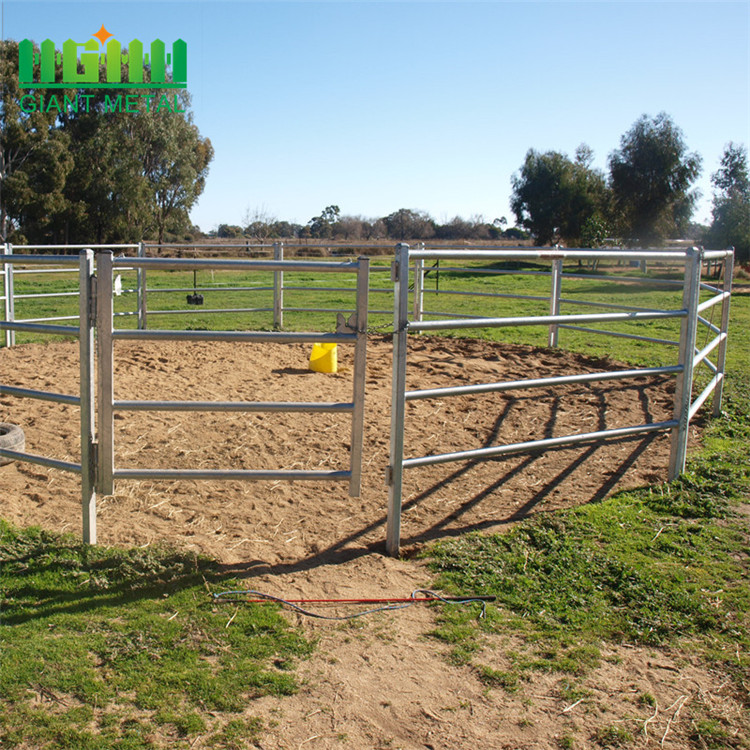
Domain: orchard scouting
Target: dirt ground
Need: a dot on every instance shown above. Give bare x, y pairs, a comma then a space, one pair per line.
380, 681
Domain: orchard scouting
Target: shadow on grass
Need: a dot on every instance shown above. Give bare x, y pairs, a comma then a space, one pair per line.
43, 574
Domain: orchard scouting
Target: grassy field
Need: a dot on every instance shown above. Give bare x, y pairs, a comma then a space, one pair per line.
105, 648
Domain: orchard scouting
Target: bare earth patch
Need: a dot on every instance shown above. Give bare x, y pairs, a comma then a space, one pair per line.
378, 682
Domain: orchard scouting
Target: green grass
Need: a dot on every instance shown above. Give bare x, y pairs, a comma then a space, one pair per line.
663, 565
105, 648
126, 648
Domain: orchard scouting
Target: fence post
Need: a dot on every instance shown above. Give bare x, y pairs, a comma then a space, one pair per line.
9, 290
141, 286
105, 451
554, 300
278, 288
400, 278
360, 372
86, 326
418, 302
684, 383
721, 359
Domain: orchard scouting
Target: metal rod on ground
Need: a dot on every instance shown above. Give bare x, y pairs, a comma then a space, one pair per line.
398, 398
87, 395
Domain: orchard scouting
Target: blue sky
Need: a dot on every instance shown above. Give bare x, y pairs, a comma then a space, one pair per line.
424, 105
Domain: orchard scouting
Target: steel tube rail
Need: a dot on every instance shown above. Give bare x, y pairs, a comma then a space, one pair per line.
240, 406
550, 254
77, 247
617, 334
722, 355
418, 297
37, 320
141, 290
160, 290
222, 264
43, 260
610, 305
684, 383
394, 474
49, 463
496, 271
633, 279
242, 474
39, 328
259, 336
503, 295
703, 353
359, 379
46, 294
58, 398
372, 290
713, 301
533, 445
717, 254
209, 246
8, 301
201, 310
435, 325
334, 310
707, 391
455, 315
512, 385
105, 380
86, 284
709, 288
553, 334
711, 327
46, 270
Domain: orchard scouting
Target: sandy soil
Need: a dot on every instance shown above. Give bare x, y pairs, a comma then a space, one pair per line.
378, 682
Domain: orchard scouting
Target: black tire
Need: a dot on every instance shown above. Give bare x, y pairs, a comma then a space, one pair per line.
12, 439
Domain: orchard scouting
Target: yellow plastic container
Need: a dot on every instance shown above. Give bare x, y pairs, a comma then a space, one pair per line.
324, 358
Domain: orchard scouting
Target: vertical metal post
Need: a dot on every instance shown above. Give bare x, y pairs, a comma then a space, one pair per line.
278, 288
141, 286
721, 359
360, 372
554, 300
105, 484
400, 278
418, 289
87, 321
684, 383
10, 306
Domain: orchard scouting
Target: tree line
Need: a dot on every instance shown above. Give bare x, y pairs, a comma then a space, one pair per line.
76, 168
403, 224
645, 198
74, 174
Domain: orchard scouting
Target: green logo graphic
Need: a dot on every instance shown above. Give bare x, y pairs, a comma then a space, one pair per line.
37, 69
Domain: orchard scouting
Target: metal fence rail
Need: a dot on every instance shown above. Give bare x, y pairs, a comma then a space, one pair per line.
95, 325
689, 357
84, 265
353, 333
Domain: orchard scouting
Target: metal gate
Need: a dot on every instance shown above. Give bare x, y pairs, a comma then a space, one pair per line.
689, 356
96, 334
